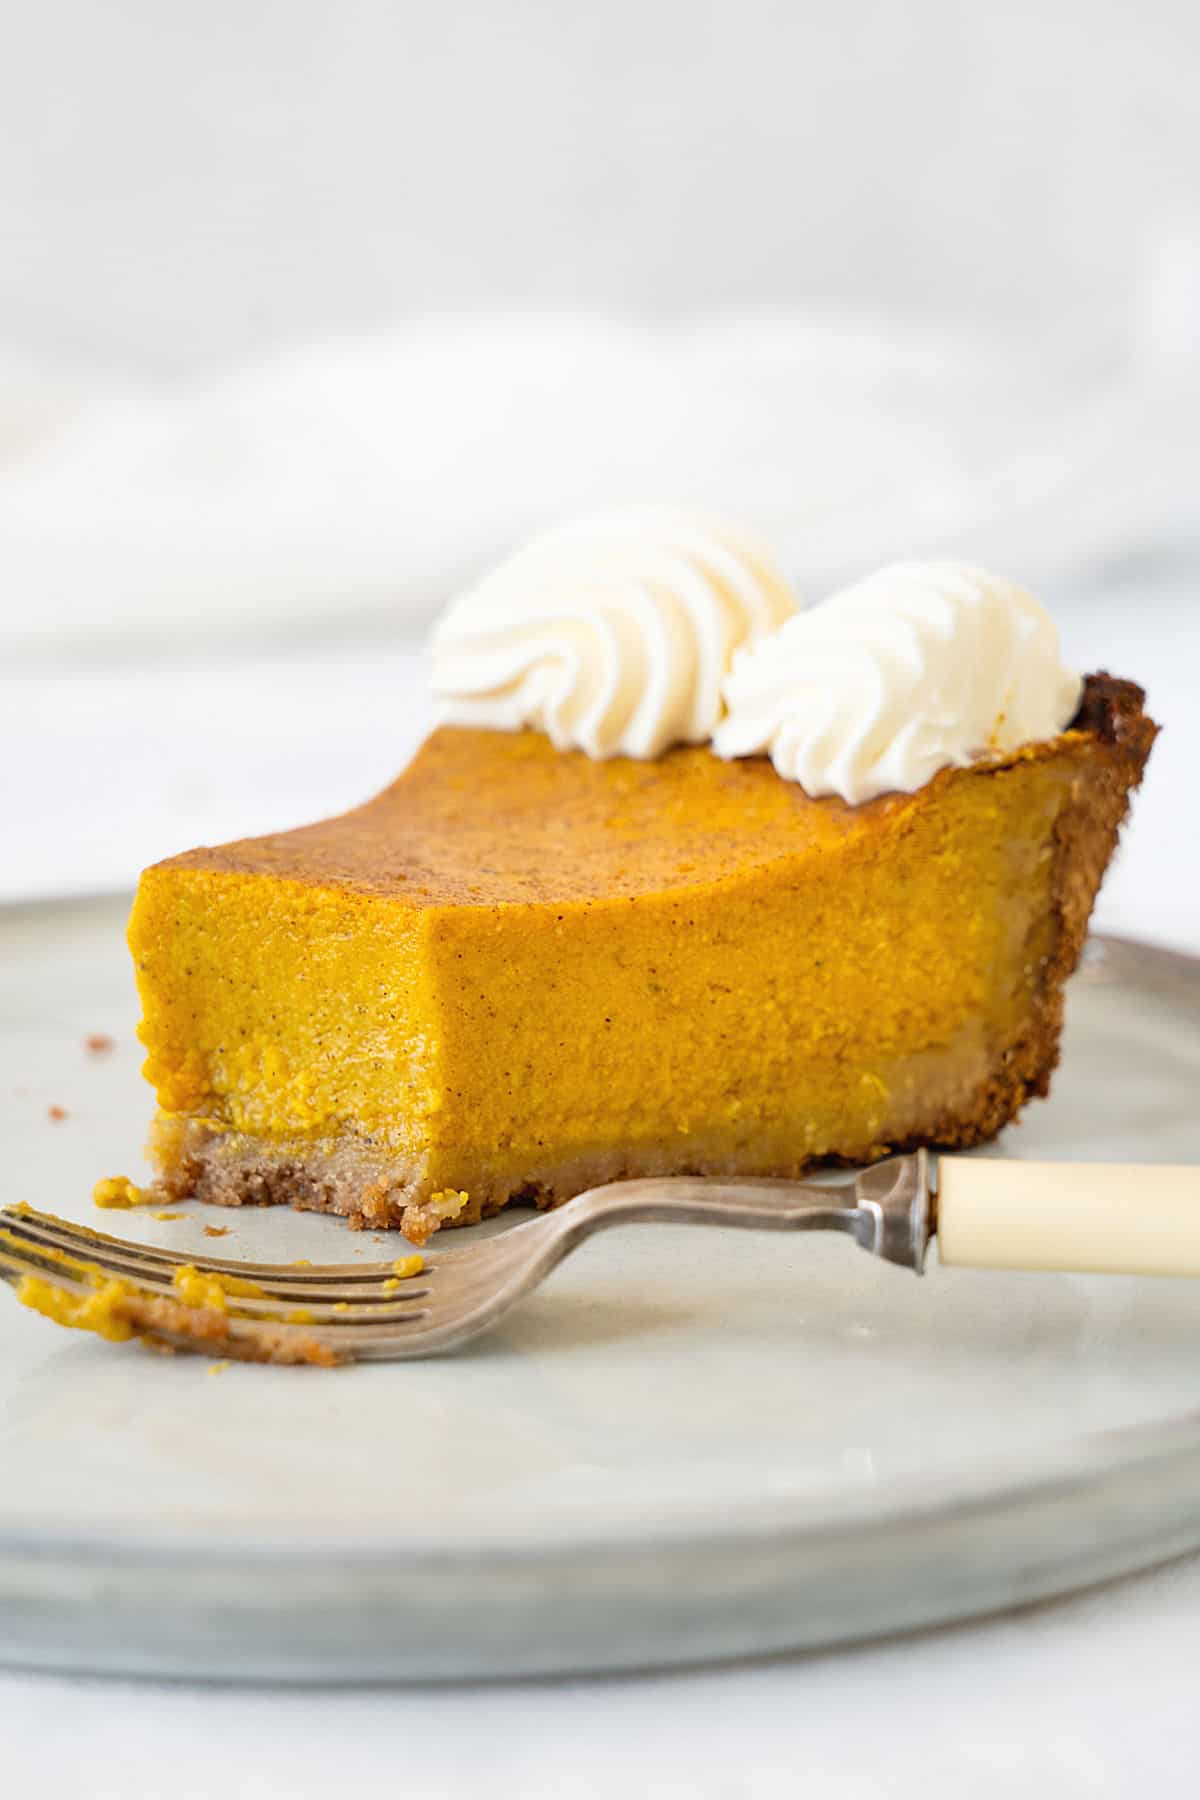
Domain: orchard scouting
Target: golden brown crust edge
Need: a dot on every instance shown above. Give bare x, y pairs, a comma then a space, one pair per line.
1120, 734
1111, 713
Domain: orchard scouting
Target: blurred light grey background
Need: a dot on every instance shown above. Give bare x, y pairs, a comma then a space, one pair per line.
184, 184
308, 311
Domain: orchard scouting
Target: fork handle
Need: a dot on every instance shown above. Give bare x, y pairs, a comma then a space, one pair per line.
1089, 1218
756, 1205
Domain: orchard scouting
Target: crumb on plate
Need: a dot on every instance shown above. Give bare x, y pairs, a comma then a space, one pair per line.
119, 1192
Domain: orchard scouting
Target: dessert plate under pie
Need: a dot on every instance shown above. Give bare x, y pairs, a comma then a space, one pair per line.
618, 1478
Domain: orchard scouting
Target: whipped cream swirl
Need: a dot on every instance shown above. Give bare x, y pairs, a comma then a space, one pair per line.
613, 635
918, 667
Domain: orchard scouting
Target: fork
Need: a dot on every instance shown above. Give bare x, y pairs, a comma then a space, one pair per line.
346, 1312
987, 1214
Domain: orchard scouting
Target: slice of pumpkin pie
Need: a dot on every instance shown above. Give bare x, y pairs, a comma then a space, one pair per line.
578, 940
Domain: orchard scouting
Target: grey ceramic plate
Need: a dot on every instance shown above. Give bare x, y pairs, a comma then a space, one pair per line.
688, 1445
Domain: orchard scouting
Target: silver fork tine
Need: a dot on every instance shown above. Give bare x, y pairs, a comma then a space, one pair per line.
241, 1311
44, 1248
162, 1317
149, 1263
152, 1264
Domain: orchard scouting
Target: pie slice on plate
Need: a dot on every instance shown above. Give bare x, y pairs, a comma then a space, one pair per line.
522, 971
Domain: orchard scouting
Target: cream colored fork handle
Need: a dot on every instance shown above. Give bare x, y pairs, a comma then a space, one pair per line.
1093, 1218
